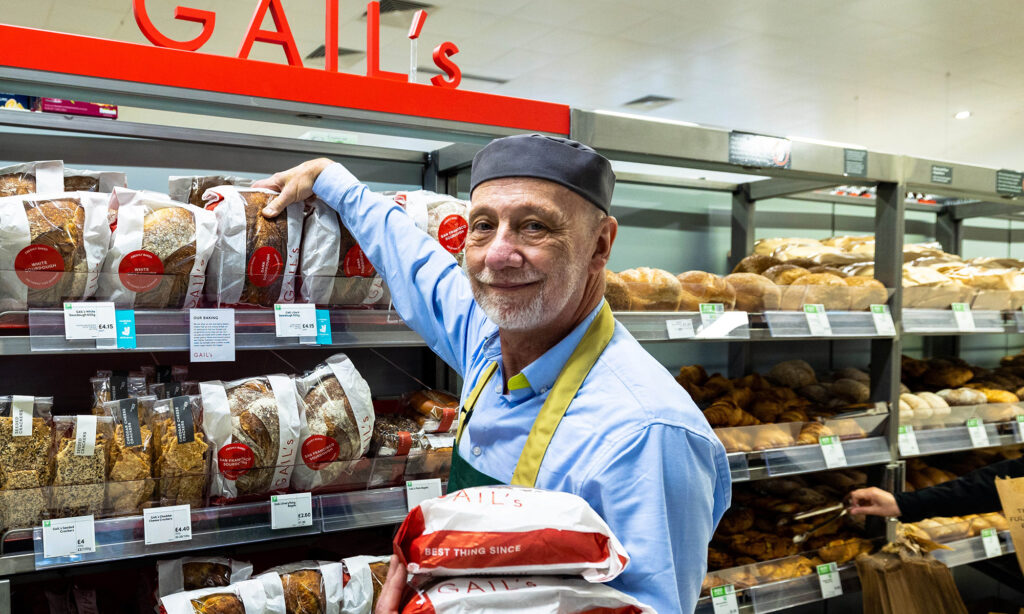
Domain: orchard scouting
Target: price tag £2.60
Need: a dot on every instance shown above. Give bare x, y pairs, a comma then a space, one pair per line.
723, 600
68, 536
832, 449
169, 524
828, 578
291, 511
90, 321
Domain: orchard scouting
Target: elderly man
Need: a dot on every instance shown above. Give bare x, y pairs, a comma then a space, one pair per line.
558, 395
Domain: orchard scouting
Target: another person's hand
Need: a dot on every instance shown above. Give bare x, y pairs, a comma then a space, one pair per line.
294, 184
874, 502
390, 601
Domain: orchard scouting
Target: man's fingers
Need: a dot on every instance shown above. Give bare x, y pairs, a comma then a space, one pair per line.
276, 206
391, 592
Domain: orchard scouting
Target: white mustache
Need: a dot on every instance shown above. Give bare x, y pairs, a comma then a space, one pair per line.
486, 276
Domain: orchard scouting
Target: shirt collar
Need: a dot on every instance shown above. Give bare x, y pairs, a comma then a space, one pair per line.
539, 376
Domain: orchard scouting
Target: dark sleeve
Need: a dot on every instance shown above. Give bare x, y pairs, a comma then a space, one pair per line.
974, 493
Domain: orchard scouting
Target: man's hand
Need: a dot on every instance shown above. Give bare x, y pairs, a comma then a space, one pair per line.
294, 184
390, 601
874, 502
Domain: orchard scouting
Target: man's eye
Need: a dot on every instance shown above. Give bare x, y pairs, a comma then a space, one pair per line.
481, 226
535, 227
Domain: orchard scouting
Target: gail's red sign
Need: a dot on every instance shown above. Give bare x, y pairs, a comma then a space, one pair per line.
282, 35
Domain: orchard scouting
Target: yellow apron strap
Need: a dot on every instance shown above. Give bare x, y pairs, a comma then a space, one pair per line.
562, 393
473, 395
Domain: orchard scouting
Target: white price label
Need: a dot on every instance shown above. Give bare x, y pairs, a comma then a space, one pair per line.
828, 578
979, 436
1020, 428
709, 312
723, 600
906, 439
883, 320
85, 435
679, 329
90, 321
817, 320
832, 449
211, 335
990, 540
418, 491
21, 415
964, 317
68, 536
298, 320
291, 511
165, 525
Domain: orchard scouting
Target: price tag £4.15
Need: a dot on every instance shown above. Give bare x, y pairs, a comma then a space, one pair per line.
90, 321
291, 511
828, 578
723, 600
298, 320
832, 450
977, 432
68, 536
163, 525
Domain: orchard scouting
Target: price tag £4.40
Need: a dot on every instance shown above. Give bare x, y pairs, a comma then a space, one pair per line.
291, 511
68, 536
832, 449
163, 525
723, 600
828, 578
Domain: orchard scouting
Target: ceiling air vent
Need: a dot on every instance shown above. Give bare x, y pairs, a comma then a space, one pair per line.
398, 13
649, 103
319, 52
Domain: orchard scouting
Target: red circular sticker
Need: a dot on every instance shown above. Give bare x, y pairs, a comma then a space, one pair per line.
140, 271
265, 266
451, 234
318, 451
38, 266
235, 460
355, 263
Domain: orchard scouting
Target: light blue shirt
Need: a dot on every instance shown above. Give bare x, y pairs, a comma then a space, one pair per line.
632, 443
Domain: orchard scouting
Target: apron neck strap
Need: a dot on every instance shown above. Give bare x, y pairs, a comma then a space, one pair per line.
467, 408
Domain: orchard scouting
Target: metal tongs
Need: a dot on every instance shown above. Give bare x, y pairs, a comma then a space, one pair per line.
838, 507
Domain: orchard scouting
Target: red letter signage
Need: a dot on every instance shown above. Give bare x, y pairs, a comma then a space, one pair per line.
281, 36
373, 46
206, 18
331, 36
443, 60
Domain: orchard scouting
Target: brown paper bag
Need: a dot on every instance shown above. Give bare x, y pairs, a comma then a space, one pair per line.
1011, 494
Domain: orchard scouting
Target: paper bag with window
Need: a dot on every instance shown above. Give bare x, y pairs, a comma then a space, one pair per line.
1011, 495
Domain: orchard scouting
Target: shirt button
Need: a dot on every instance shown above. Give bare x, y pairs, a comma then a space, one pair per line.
544, 389
477, 451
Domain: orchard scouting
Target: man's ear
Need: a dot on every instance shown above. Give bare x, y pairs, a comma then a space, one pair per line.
606, 232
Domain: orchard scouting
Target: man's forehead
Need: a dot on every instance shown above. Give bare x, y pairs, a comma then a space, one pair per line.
524, 191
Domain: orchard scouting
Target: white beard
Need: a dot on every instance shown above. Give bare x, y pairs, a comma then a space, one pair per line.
554, 295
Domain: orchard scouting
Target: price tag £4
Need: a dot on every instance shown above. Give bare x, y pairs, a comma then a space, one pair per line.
163, 525
69, 536
723, 600
828, 578
291, 511
977, 432
298, 320
832, 449
990, 540
907, 441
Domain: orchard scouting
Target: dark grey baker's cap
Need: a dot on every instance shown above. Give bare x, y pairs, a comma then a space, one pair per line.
566, 162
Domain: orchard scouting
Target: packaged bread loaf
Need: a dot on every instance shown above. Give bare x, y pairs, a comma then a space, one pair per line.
190, 189
77, 180
336, 418
253, 427
311, 587
25, 469
182, 454
364, 581
528, 531
435, 411
192, 573
158, 253
652, 289
32, 178
80, 447
443, 217
260, 595
256, 258
699, 287
130, 474
536, 595
396, 435
51, 248
335, 271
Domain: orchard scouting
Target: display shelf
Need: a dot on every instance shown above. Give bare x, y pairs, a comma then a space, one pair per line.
958, 439
808, 459
212, 527
971, 550
944, 322
844, 324
787, 325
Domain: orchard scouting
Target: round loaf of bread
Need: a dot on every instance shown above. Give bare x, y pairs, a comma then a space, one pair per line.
816, 289
785, 274
262, 232
755, 263
169, 233
754, 293
865, 291
652, 289
616, 292
700, 287
255, 423
59, 223
14, 184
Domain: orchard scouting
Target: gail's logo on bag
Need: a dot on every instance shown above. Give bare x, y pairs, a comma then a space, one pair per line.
282, 35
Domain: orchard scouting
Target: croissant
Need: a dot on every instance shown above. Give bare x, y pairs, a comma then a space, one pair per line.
772, 437
811, 432
726, 413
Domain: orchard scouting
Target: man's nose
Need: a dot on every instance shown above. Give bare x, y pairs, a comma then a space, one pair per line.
503, 252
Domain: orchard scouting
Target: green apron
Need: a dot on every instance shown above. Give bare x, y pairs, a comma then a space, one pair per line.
583, 358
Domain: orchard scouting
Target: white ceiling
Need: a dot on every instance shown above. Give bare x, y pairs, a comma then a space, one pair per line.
884, 74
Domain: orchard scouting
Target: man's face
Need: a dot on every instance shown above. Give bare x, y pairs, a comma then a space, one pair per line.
529, 245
